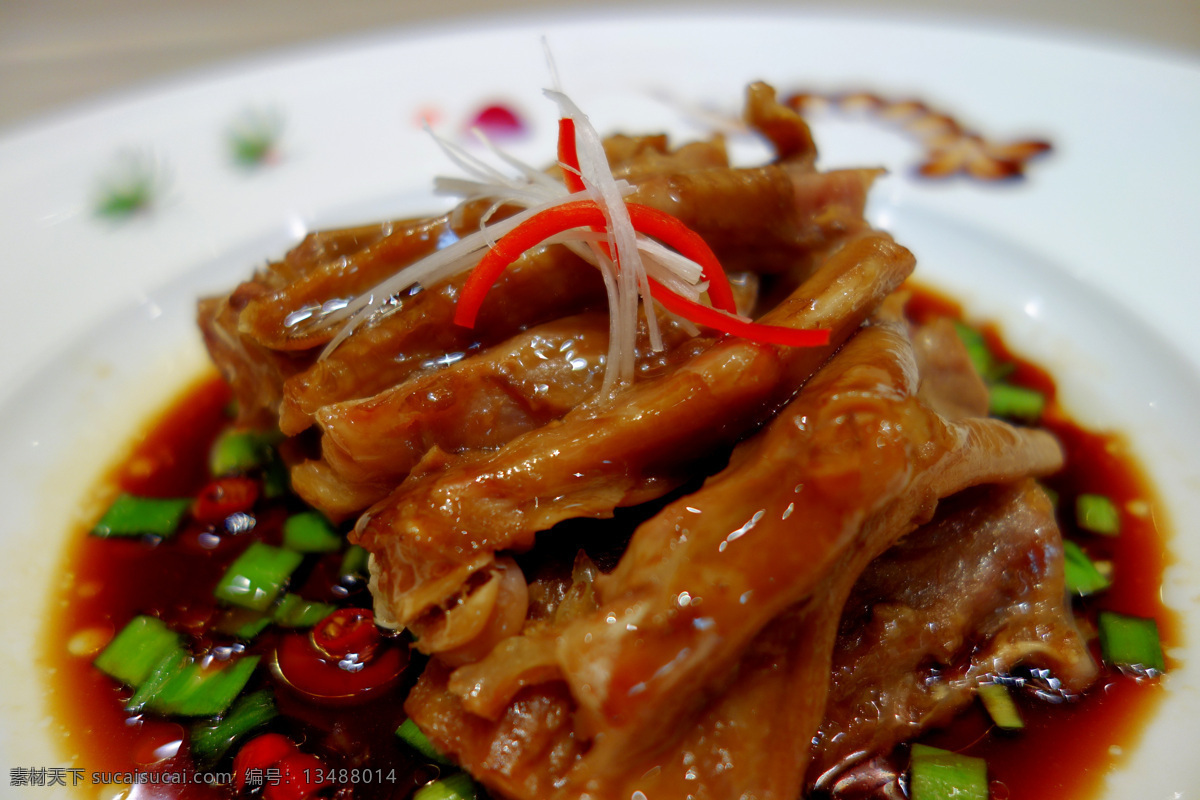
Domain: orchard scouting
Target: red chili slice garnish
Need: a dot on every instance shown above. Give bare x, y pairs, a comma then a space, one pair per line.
301, 666
568, 155
347, 632
223, 497
586, 213
260, 753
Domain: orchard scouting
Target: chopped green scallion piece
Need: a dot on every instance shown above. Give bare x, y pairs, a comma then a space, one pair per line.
1132, 643
411, 735
164, 672
354, 563
1015, 402
458, 786
133, 653
186, 687
294, 611
1000, 706
131, 515
1097, 514
207, 692
1082, 576
989, 367
310, 532
942, 775
214, 738
235, 452
242, 623
257, 577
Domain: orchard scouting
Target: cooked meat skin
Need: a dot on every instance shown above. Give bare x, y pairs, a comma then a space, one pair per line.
727, 708
368, 446
949, 383
764, 219
970, 596
870, 524
265, 337
438, 528
854, 463
542, 285
267, 319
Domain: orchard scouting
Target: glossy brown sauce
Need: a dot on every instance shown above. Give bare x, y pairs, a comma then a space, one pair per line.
1066, 749
1063, 752
115, 580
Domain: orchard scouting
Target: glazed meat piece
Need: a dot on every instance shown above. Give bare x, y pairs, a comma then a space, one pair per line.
420, 334
813, 211
266, 336
521, 754
787, 131
277, 320
765, 219
439, 527
256, 335
477, 403
853, 464
950, 385
711, 644
962, 600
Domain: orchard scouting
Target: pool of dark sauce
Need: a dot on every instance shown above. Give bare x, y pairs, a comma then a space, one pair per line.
1062, 754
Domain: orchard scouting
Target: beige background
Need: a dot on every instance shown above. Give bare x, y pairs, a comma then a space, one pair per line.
57, 52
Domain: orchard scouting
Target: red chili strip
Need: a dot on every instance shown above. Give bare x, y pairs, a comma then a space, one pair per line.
753, 331
568, 155
586, 213
671, 231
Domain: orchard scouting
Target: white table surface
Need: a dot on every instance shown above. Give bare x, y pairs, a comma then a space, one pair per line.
54, 53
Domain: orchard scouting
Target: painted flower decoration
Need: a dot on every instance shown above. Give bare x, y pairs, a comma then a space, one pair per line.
950, 148
254, 136
132, 184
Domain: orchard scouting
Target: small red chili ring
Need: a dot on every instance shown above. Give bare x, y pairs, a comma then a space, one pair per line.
347, 632
223, 497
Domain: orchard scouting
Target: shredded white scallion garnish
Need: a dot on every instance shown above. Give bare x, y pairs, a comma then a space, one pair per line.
535, 191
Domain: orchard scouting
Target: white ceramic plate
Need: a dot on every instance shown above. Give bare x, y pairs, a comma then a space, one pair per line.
1088, 264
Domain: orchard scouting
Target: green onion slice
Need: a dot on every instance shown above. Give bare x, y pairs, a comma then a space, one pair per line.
258, 576
942, 775
132, 515
1096, 513
293, 611
1081, 574
183, 686
990, 368
1017, 403
1129, 642
999, 704
354, 563
137, 649
236, 452
213, 738
458, 786
310, 532
415, 738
